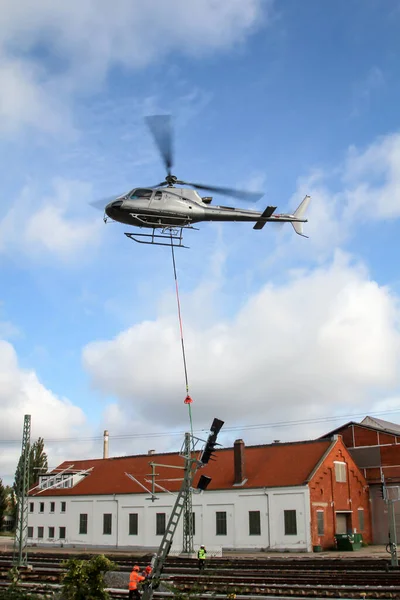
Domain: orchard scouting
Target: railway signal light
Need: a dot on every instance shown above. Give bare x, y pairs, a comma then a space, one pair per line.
209, 448
203, 483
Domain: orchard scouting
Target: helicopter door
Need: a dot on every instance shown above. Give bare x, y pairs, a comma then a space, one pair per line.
157, 200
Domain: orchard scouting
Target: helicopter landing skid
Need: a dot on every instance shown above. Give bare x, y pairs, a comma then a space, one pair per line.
173, 238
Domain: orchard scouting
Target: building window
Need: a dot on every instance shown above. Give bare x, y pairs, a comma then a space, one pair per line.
160, 523
254, 522
340, 472
133, 524
220, 521
41, 507
361, 519
51, 532
40, 532
30, 532
63, 506
52, 506
31, 506
83, 520
320, 522
62, 533
290, 522
107, 524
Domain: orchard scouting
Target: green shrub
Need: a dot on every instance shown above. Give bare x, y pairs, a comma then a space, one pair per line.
84, 579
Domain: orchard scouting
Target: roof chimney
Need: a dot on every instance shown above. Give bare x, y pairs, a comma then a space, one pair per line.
105, 444
151, 452
239, 466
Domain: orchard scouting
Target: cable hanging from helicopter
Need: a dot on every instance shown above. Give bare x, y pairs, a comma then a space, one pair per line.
188, 400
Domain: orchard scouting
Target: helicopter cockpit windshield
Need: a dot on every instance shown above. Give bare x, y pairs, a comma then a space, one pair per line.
140, 193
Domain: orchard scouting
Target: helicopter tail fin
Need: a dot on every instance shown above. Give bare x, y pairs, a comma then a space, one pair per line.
299, 214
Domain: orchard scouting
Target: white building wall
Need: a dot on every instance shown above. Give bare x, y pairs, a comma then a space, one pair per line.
236, 503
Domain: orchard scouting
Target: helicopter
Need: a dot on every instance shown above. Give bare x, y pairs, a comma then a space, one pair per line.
168, 209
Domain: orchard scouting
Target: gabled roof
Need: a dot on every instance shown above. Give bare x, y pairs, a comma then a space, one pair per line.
272, 465
381, 424
368, 423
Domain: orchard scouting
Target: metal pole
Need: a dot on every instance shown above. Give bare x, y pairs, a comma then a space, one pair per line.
392, 534
21, 534
188, 547
191, 466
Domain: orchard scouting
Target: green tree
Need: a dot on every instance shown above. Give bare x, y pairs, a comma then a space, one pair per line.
3, 502
37, 461
84, 579
37, 465
11, 503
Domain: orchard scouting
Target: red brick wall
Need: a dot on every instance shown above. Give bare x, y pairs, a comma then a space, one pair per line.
347, 435
386, 438
390, 455
331, 496
365, 437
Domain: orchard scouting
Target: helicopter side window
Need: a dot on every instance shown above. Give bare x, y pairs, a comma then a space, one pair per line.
140, 193
158, 196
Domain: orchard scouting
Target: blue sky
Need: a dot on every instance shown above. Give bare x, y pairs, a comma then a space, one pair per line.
287, 97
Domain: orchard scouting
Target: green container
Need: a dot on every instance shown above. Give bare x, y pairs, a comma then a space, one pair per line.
317, 548
344, 542
348, 542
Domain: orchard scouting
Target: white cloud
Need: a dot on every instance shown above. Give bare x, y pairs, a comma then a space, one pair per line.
82, 42
27, 99
22, 393
372, 177
325, 340
365, 187
365, 89
50, 225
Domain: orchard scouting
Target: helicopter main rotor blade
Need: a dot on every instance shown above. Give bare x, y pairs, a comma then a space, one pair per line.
160, 127
224, 191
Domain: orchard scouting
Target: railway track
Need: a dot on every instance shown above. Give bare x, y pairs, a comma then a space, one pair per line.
244, 578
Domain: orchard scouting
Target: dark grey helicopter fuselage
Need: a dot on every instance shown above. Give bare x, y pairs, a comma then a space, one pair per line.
171, 206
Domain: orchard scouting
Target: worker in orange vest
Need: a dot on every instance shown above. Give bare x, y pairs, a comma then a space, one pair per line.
134, 579
147, 572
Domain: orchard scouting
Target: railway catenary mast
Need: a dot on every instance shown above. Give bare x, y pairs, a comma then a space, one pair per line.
21, 534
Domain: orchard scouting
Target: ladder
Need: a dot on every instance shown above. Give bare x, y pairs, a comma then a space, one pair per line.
191, 468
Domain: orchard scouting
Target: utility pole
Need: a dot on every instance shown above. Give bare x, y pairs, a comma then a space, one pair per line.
394, 561
392, 533
183, 503
20, 558
188, 547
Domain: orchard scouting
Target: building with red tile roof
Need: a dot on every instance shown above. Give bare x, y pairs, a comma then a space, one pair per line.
374, 445
281, 496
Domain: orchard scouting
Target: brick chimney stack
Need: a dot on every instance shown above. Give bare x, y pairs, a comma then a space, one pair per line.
239, 462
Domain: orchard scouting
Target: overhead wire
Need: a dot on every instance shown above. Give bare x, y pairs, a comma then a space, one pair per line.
250, 427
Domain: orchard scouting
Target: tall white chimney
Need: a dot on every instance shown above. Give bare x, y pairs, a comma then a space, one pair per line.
105, 444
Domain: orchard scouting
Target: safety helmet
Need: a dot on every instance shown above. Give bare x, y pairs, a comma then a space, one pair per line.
202, 546
136, 568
